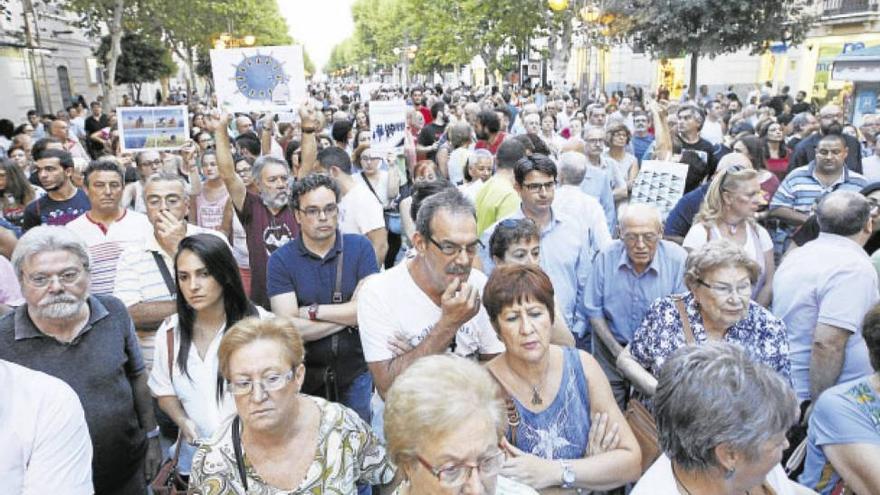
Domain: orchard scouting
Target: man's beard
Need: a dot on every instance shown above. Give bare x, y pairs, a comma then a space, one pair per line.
275, 200
832, 128
59, 307
482, 135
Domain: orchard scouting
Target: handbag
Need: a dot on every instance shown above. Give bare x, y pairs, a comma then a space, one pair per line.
640, 420
391, 214
168, 480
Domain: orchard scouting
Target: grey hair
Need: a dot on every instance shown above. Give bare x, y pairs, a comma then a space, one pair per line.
451, 200
720, 253
715, 394
261, 162
843, 213
572, 168
163, 176
47, 238
432, 398
799, 121
459, 134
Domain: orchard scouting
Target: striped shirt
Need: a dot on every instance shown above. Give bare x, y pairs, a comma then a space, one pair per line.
801, 189
138, 279
106, 244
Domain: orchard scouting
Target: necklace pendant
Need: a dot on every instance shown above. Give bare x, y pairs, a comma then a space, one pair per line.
536, 399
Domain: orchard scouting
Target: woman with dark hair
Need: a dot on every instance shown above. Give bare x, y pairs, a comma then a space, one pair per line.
15, 193
775, 151
185, 378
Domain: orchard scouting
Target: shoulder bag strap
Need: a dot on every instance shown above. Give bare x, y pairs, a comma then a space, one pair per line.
685, 322
513, 417
367, 180
166, 274
169, 341
337, 291
236, 447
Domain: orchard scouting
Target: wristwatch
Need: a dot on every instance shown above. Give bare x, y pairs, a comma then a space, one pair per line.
154, 433
567, 475
313, 311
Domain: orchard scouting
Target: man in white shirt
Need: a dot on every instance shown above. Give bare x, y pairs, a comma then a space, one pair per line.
108, 228
432, 301
713, 127
46, 445
360, 212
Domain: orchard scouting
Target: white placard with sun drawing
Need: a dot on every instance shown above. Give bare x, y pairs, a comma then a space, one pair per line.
260, 79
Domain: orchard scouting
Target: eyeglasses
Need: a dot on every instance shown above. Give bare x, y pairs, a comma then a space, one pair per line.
452, 249
455, 476
632, 239
315, 212
171, 201
724, 291
540, 186
269, 383
67, 277
152, 163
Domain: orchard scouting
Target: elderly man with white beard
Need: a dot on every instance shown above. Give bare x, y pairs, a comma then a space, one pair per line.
88, 342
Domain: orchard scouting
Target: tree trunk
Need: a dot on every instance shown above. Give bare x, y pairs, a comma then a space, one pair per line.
692, 84
115, 29
561, 54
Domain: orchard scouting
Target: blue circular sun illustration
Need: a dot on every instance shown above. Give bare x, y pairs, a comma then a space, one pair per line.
257, 76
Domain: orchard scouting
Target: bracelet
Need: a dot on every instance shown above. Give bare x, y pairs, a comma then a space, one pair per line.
154, 433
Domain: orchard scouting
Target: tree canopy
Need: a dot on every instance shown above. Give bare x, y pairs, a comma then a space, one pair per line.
143, 59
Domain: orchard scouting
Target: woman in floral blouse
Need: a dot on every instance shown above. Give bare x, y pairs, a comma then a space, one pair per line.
718, 307
281, 441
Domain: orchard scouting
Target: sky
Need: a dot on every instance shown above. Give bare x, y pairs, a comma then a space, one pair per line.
319, 25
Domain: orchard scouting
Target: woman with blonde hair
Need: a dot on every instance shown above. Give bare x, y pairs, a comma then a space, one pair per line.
728, 212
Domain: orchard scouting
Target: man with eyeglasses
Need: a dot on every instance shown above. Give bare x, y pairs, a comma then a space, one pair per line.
568, 244
831, 121
822, 291
147, 163
88, 342
140, 283
627, 277
108, 228
430, 303
799, 192
303, 277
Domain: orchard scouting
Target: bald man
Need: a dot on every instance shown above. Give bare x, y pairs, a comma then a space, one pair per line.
627, 276
831, 121
680, 219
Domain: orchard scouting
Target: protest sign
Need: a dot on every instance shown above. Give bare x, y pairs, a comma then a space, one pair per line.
388, 124
366, 90
659, 184
263, 79
153, 128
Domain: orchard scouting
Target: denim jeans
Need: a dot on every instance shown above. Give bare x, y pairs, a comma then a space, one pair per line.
357, 396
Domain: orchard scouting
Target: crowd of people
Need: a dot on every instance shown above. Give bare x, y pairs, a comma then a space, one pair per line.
283, 307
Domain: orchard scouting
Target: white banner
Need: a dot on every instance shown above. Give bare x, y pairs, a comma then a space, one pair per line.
366, 90
388, 124
659, 184
152, 128
261, 79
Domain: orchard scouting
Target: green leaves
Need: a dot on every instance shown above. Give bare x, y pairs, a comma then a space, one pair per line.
143, 59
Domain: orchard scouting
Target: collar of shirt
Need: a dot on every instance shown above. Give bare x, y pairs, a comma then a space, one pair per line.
624, 260
25, 328
844, 176
331, 254
554, 220
153, 244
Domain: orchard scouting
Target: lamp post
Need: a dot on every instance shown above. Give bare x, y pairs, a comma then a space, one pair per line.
594, 32
407, 54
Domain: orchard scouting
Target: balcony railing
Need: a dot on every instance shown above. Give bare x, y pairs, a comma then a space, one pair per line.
842, 7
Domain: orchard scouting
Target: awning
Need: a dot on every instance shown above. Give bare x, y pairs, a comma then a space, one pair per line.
858, 65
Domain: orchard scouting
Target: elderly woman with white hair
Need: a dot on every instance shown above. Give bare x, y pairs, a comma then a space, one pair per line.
722, 420
719, 276
477, 170
444, 424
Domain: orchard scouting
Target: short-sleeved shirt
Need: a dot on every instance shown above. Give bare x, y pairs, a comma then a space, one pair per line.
761, 335
496, 200
660, 480
575, 202
681, 218
265, 233
106, 244
801, 190
597, 184
494, 145
348, 452
46, 445
360, 211
758, 242
621, 296
640, 145
47, 211
99, 364
293, 268
390, 303
831, 281
847, 413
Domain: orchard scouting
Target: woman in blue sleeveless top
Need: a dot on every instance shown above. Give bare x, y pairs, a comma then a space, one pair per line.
570, 432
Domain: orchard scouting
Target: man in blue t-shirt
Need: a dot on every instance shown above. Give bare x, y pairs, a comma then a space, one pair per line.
304, 285
63, 202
